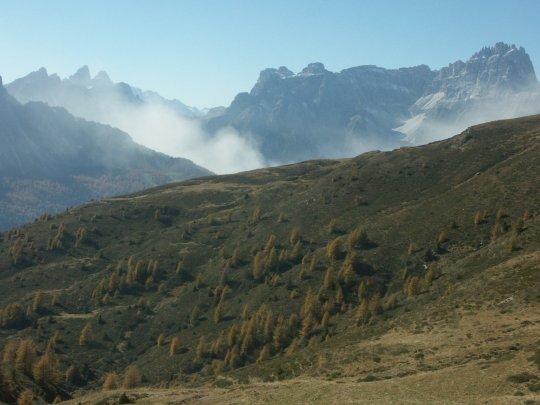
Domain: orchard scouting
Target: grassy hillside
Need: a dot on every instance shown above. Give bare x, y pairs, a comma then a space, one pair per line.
392, 269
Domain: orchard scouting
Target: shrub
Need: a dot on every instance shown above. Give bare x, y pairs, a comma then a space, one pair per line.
441, 238
479, 218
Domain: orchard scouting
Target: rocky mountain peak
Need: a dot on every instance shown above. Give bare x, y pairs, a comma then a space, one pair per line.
500, 66
285, 72
102, 79
316, 68
81, 76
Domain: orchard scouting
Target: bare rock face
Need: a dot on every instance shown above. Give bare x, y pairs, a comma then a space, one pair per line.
318, 113
495, 83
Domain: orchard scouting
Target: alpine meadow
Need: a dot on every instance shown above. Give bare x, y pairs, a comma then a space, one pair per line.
337, 234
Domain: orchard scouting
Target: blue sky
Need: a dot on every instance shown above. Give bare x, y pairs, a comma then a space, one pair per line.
204, 52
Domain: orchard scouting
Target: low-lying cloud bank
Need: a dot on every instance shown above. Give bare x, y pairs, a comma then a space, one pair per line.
163, 130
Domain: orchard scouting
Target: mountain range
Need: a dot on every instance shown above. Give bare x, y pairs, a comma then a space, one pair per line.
50, 160
92, 98
317, 113
286, 117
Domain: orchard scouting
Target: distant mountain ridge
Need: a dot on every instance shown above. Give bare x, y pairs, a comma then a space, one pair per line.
50, 160
94, 98
315, 113
318, 113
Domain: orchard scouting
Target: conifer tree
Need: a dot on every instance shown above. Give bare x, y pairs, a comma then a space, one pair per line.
9, 353
328, 282
362, 312
357, 237
132, 377
333, 249
478, 218
270, 243
46, 370
325, 322
160, 340
218, 313
259, 265
110, 381
200, 350
85, 338
295, 236
25, 398
25, 356
264, 354
173, 348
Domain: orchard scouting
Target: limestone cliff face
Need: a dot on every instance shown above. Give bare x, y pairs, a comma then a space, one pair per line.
318, 113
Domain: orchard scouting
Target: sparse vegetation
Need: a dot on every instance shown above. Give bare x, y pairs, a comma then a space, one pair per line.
225, 293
